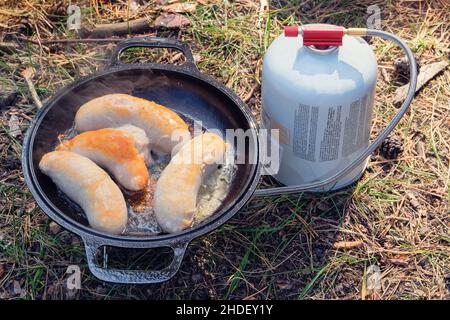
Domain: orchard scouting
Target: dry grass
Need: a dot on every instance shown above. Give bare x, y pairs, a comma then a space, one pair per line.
304, 246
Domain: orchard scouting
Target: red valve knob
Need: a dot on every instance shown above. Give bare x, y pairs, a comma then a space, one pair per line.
290, 31
320, 36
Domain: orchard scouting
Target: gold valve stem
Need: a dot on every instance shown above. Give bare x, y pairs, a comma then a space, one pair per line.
356, 31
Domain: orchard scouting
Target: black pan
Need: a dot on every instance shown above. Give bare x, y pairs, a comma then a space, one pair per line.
182, 88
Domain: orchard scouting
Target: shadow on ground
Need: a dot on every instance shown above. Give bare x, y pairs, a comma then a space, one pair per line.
270, 249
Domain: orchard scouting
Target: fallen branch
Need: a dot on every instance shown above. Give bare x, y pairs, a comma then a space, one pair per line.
68, 41
27, 74
140, 25
427, 73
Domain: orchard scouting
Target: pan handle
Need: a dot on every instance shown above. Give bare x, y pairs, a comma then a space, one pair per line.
134, 276
154, 42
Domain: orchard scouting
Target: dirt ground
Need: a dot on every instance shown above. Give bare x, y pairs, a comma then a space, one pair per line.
308, 246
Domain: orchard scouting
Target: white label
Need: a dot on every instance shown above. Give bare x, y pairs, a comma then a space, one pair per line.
345, 130
329, 146
357, 126
305, 132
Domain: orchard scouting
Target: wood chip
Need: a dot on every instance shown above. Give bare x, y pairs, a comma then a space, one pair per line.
427, 73
347, 244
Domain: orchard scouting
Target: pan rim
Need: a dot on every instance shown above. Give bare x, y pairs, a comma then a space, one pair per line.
82, 230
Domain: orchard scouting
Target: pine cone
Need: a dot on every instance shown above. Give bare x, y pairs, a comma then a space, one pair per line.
391, 147
402, 69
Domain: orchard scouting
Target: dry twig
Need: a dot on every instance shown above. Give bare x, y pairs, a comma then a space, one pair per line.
27, 74
347, 244
140, 25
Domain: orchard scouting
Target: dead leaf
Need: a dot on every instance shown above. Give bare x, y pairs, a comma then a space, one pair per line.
284, 285
27, 73
17, 289
30, 206
171, 20
413, 200
54, 228
181, 7
372, 281
14, 128
347, 244
420, 149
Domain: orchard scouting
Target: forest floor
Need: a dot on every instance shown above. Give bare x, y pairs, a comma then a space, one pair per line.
308, 246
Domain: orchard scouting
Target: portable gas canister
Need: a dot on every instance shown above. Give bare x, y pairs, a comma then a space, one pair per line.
318, 90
